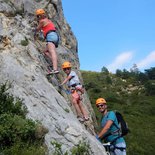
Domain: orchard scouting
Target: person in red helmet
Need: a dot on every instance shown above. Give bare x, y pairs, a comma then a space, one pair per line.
77, 90
51, 36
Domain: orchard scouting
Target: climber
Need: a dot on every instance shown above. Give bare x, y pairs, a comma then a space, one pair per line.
49, 31
76, 89
110, 131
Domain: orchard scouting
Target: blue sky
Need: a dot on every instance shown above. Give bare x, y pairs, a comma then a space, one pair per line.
113, 33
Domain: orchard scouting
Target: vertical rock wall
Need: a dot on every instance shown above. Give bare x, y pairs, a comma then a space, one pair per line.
22, 63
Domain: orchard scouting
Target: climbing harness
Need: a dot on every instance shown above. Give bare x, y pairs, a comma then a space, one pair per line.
109, 147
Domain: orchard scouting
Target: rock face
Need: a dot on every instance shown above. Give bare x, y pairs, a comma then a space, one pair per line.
22, 63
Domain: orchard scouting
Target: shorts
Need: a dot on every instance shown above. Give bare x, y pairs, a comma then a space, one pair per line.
53, 37
75, 95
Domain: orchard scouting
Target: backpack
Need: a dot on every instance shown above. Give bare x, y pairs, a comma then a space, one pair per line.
124, 130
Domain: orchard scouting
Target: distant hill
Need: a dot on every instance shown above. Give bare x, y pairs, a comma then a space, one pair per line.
133, 94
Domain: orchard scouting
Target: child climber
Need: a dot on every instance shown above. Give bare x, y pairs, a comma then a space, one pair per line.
49, 31
73, 83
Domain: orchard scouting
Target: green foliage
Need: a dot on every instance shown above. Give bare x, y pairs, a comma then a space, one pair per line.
67, 110
8, 105
24, 150
57, 148
24, 42
125, 74
18, 135
14, 128
136, 105
150, 87
134, 69
142, 78
150, 73
108, 80
82, 148
104, 70
118, 73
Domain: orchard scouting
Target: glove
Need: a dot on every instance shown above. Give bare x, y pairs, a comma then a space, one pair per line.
60, 86
68, 91
98, 138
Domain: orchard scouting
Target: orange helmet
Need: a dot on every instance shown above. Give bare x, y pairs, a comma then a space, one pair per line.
40, 12
100, 100
66, 64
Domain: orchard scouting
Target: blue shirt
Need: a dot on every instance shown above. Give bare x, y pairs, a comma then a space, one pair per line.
111, 116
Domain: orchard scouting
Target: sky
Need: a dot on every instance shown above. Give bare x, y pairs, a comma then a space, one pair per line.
113, 33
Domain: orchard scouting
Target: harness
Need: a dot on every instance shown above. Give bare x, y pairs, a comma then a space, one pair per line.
116, 147
120, 148
75, 84
76, 90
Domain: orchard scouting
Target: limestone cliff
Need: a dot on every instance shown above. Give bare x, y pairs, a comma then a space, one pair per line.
22, 63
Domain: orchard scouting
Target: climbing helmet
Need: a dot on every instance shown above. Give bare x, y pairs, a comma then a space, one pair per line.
40, 12
66, 64
100, 100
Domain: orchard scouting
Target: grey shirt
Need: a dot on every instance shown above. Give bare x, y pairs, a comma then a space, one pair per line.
74, 79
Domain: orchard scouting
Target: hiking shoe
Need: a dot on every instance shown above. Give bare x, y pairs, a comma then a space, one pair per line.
86, 118
53, 72
80, 119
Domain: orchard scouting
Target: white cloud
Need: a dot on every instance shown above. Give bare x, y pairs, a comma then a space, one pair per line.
120, 60
147, 60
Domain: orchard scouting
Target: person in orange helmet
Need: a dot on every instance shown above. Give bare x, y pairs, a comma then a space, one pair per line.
110, 129
77, 90
51, 36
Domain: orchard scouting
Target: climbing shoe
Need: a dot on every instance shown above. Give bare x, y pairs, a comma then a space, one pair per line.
86, 118
53, 72
80, 119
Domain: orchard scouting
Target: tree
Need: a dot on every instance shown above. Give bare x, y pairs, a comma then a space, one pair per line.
104, 70
125, 74
118, 73
150, 73
108, 80
134, 69
150, 88
142, 77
